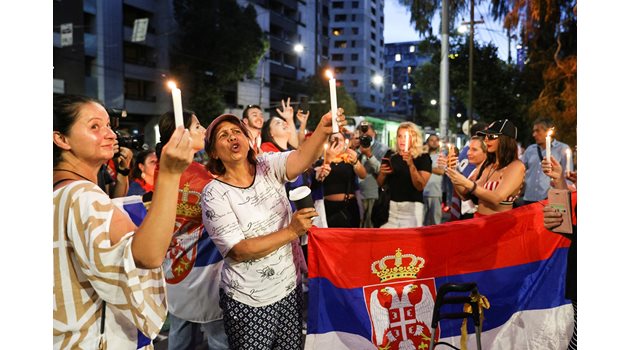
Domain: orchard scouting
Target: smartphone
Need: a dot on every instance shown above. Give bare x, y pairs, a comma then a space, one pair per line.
386, 161
561, 200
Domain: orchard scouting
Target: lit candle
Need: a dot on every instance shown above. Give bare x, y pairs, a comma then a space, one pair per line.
568, 152
177, 104
332, 83
406, 141
325, 152
548, 144
345, 147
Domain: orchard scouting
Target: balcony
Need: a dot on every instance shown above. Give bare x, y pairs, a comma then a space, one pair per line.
283, 70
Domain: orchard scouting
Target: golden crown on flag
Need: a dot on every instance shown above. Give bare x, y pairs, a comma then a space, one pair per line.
185, 207
386, 272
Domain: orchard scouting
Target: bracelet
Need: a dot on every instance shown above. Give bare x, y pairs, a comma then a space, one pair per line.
123, 172
473, 188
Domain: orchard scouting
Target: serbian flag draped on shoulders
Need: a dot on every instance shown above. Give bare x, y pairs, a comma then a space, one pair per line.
193, 263
375, 288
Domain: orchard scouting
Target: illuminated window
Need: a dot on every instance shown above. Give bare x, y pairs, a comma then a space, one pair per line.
337, 31
412, 48
393, 103
394, 87
397, 57
408, 69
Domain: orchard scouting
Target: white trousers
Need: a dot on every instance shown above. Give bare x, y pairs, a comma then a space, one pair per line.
405, 215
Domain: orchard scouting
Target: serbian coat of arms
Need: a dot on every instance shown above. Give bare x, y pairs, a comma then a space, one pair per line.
401, 306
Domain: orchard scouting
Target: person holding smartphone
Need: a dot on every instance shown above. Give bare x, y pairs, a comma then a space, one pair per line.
500, 177
406, 171
340, 184
552, 218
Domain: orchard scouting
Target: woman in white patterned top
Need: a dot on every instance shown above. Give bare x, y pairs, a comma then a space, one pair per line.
108, 284
248, 216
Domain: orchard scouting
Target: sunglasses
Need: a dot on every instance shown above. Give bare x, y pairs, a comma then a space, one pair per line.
489, 136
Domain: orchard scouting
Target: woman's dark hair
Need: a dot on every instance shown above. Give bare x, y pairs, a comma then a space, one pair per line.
265, 133
140, 158
167, 128
507, 152
66, 109
215, 165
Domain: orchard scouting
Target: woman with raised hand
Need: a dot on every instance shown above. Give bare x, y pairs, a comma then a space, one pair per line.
500, 177
406, 172
107, 277
247, 214
340, 183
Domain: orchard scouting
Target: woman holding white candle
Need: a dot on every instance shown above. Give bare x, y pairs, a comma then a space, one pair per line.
406, 175
248, 217
106, 268
500, 177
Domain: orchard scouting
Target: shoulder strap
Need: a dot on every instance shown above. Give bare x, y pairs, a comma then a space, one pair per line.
60, 181
103, 317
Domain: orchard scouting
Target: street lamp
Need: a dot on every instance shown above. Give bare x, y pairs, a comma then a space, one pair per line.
433, 102
298, 48
377, 79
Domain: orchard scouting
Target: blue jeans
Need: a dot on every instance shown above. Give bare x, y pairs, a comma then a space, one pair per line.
182, 334
432, 210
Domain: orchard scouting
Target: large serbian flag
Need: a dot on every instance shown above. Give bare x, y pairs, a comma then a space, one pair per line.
375, 288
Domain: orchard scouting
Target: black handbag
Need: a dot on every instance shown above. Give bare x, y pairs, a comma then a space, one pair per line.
380, 210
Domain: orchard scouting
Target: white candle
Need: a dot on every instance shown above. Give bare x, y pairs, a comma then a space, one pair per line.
332, 84
548, 145
406, 141
568, 152
177, 104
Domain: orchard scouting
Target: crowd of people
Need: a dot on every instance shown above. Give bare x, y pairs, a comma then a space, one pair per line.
120, 277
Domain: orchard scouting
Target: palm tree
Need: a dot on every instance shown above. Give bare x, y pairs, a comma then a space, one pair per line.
548, 34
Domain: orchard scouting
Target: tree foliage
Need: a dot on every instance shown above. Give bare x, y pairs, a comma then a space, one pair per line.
207, 56
548, 81
495, 84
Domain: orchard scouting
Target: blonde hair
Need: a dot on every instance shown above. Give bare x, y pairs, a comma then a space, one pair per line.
416, 136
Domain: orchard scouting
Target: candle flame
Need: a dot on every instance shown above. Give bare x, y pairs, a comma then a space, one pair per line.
171, 84
329, 74
550, 132
568, 151
325, 146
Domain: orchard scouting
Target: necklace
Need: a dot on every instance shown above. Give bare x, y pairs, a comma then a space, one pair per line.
75, 173
491, 172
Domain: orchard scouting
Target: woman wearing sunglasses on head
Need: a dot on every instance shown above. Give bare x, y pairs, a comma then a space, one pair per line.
500, 177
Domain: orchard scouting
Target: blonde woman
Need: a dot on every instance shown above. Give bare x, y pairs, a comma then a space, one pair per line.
406, 172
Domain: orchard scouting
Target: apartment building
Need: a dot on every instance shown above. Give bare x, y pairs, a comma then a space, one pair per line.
357, 50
